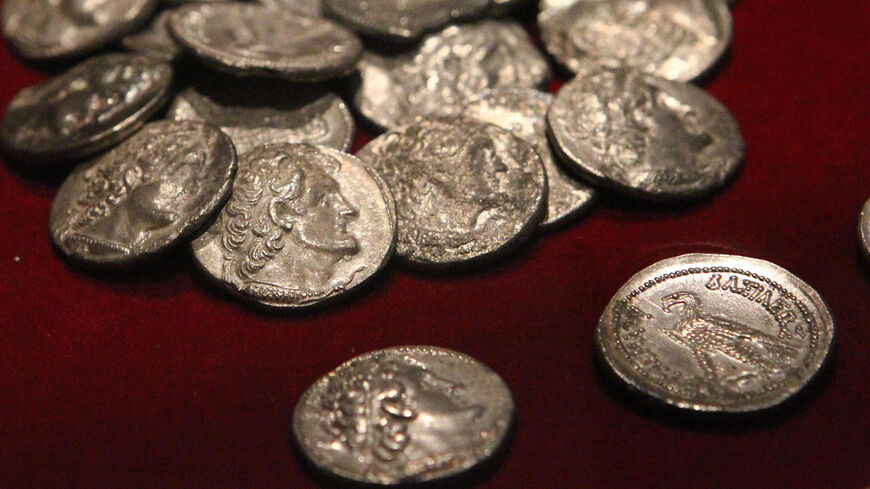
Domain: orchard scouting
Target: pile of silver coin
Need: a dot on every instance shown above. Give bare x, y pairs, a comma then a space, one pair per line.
249, 165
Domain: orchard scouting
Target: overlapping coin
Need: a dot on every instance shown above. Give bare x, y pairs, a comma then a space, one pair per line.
311, 8
403, 415
401, 20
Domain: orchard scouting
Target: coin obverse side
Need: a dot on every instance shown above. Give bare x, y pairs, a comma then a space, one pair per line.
251, 39
403, 415
523, 111
88, 108
464, 190
644, 135
864, 229
145, 195
154, 40
716, 333
304, 224
447, 68
674, 39
401, 20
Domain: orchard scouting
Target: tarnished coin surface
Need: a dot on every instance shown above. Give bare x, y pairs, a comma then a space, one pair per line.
716, 333
51, 29
254, 113
523, 111
644, 135
674, 39
154, 40
305, 224
90, 107
252, 39
446, 69
401, 20
145, 195
311, 8
402, 415
464, 190
864, 229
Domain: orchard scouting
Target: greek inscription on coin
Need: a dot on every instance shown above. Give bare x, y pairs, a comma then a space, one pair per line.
403, 415
464, 190
311, 8
304, 224
51, 29
251, 39
145, 195
154, 40
258, 112
401, 20
674, 39
446, 69
644, 135
716, 333
90, 107
523, 111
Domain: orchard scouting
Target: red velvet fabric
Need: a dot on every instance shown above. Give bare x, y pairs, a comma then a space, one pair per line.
154, 380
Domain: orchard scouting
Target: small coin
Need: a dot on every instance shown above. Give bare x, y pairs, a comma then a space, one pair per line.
644, 135
716, 333
145, 195
403, 415
674, 39
864, 229
464, 190
311, 8
523, 111
90, 107
401, 20
447, 68
304, 224
47, 30
254, 113
154, 40
251, 39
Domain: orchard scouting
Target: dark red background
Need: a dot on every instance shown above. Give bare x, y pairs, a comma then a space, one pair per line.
153, 380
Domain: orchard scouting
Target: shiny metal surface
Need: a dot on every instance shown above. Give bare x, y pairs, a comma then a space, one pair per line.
401, 20
312, 8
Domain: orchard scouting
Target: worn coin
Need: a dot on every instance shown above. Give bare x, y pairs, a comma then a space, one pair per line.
305, 224
464, 190
90, 107
674, 39
401, 20
251, 39
864, 229
145, 195
311, 8
254, 113
48, 30
448, 67
523, 111
402, 415
154, 40
716, 333
644, 135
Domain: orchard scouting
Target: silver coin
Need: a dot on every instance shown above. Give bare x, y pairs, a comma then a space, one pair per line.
145, 195
864, 229
464, 190
716, 333
311, 8
403, 415
304, 224
644, 135
674, 39
251, 39
523, 111
50, 29
545, 5
401, 20
154, 40
255, 113
90, 107
448, 67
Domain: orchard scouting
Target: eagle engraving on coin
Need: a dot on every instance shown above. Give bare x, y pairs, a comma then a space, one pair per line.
716, 333
644, 135
405, 414
145, 195
401, 20
304, 224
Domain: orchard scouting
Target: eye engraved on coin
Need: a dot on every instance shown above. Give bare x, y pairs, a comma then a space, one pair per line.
145, 195
644, 135
304, 224
312, 8
405, 414
448, 67
523, 111
716, 333
251, 39
154, 40
401, 20
86, 109
674, 39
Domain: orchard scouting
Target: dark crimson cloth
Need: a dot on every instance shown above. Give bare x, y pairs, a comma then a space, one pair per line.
154, 380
